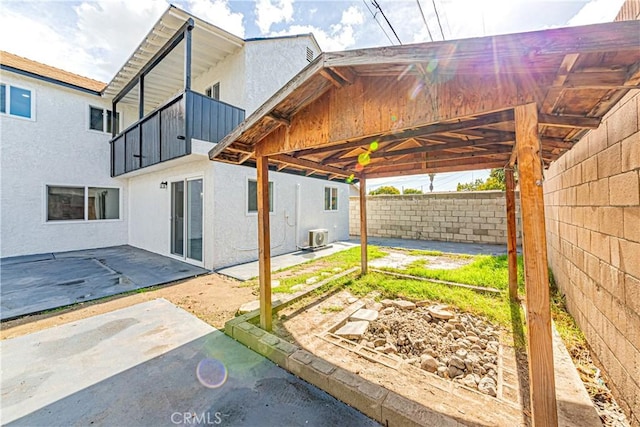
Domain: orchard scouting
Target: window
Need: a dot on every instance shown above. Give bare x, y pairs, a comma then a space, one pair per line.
100, 119
252, 202
82, 203
213, 91
309, 55
330, 199
16, 101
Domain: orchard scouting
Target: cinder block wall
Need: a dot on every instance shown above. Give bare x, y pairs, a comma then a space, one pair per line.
470, 217
592, 197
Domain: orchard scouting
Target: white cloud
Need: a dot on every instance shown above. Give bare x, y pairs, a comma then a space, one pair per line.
60, 52
110, 40
269, 12
218, 12
597, 11
338, 36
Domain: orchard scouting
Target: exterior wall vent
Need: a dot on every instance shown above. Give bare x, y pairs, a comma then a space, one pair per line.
309, 54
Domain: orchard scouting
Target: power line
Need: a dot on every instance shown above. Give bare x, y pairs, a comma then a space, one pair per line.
377, 22
438, 18
424, 20
377, 6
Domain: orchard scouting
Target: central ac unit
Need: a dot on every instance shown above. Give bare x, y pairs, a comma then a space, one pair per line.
318, 237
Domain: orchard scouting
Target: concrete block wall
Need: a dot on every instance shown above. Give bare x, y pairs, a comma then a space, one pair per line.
469, 217
592, 208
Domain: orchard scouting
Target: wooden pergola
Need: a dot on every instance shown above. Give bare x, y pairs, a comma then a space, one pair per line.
447, 106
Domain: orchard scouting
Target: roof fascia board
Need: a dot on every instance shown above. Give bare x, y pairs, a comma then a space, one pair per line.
48, 79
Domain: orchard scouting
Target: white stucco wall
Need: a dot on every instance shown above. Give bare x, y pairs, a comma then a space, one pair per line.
54, 149
270, 64
150, 206
235, 231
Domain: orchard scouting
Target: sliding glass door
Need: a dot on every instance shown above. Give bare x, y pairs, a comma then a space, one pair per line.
186, 219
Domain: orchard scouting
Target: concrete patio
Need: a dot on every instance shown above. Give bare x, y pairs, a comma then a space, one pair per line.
35, 283
153, 364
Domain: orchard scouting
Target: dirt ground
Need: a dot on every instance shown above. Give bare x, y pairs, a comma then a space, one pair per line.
304, 324
212, 298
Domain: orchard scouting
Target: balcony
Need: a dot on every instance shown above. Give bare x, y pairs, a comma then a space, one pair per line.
166, 133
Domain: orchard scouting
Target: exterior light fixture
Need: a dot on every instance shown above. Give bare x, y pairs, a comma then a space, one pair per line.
163, 184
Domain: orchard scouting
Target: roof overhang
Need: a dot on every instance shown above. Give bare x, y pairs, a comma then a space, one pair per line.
439, 107
210, 45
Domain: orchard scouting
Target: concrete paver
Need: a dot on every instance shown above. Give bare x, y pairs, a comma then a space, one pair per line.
153, 364
249, 270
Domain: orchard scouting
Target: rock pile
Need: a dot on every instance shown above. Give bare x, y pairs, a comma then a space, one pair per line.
453, 345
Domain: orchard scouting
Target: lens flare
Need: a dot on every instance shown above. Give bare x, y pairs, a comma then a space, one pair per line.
211, 373
416, 91
359, 167
394, 118
432, 65
364, 159
374, 146
350, 179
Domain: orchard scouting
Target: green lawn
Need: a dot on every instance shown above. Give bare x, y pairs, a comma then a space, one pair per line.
330, 264
484, 270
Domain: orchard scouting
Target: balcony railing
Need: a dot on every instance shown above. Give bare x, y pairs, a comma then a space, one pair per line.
166, 132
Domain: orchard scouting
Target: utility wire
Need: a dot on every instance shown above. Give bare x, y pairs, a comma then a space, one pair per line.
425, 20
377, 22
377, 6
438, 17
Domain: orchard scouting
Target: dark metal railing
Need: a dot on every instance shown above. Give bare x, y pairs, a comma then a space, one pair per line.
166, 132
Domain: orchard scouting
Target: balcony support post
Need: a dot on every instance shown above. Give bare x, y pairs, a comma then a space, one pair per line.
141, 96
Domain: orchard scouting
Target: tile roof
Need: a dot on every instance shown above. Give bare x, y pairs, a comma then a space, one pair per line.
33, 67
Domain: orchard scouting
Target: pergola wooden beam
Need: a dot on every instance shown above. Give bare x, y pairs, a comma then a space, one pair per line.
492, 118
363, 226
512, 254
615, 36
540, 344
283, 158
264, 242
569, 121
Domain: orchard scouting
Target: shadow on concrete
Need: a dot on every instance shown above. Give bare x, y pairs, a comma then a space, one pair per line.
34, 283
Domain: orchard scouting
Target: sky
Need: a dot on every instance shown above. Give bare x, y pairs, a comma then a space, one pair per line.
94, 38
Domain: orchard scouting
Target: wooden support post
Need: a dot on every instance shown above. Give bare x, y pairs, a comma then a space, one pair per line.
540, 346
363, 226
264, 242
512, 254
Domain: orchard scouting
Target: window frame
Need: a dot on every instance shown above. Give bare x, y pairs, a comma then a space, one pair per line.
104, 119
324, 199
272, 194
7, 112
85, 202
210, 89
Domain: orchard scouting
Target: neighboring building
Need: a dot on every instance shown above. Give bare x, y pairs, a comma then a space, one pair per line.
73, 177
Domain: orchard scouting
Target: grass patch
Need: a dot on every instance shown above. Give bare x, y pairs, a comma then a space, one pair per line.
485, 270
565, 324
299, 274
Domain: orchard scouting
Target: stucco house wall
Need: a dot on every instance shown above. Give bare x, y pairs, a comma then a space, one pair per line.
55, 148
298, 208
